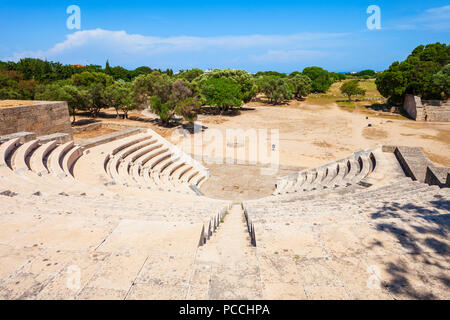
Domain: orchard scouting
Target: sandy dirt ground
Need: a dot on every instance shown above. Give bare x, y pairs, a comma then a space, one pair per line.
91, 134
17, 103
309, 136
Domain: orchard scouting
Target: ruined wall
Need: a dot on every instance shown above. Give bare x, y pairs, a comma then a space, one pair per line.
429, 110
417, 166
43, 119
436, 110
413, 106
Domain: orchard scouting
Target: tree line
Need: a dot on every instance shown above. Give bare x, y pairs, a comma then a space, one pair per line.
425, 73
170, 95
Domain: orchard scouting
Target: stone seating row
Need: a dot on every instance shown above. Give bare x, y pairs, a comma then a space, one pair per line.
399, 197
45, 169
396, 192
36, 165
148, 161
344, 172
326, 246
123, 247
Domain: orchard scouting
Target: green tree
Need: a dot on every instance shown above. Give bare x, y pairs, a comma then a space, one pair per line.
86, 79
190, 75
301, 84
273, 73
276, 89
369, 73
98, 99
116, 96
415, 75
140, 71
223, 93
441, 81
163, 96
242, 78
77, 99
351, 88
321, 79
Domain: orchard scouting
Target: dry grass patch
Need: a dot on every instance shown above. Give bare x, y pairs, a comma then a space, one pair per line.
322, 144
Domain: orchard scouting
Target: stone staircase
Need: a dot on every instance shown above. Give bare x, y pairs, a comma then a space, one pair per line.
226, 268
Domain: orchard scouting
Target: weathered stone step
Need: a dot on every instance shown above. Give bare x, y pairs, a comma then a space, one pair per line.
226, 267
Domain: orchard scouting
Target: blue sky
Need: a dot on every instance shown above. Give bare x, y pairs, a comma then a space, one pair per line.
253, 35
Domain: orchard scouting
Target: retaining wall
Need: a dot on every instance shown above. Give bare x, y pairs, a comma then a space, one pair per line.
43, 119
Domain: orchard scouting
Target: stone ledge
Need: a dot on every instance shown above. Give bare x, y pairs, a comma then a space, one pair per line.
90, 143
58, 137
417, 166
439, 176
24, 136
388, 148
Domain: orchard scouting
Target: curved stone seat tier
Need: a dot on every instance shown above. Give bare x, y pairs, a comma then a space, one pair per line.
6, 150
125, 153
25, 168
163, 155
130, 169
342, 172
350, 170
56, 157
70, 158
21, 158
38, 159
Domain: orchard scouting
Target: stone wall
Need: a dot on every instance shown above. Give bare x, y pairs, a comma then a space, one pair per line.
436, 110
418, 167
413, 106
43, 119
429, 110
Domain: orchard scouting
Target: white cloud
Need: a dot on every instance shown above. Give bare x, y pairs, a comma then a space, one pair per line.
106, 43
440, 11
437, 19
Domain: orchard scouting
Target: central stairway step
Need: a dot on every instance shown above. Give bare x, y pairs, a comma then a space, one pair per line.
226, 267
